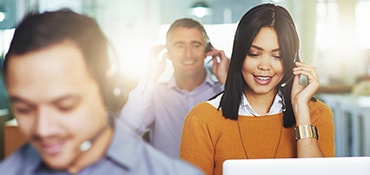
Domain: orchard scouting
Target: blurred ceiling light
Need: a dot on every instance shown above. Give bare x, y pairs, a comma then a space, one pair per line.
2, 13
200, 9
2, 16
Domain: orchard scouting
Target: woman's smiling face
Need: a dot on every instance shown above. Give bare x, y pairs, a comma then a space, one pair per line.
263, 68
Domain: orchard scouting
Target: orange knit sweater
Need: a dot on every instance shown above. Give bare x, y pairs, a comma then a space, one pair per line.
209, 139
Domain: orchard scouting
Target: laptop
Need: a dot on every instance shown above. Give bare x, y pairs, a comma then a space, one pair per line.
301, 166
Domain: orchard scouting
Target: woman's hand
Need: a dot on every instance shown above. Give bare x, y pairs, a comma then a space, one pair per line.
303, 93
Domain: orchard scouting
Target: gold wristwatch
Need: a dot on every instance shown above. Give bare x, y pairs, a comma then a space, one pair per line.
306, 131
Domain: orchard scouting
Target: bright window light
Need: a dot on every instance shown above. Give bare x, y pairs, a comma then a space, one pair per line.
363, 25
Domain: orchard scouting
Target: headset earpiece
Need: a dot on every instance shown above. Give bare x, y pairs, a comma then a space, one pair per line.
112, 84
209, 47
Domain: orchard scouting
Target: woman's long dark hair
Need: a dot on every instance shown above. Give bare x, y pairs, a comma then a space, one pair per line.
264, 15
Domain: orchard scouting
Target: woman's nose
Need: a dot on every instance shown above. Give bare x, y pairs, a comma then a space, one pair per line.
265, 62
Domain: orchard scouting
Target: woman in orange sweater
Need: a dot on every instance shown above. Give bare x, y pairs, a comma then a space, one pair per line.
264, 112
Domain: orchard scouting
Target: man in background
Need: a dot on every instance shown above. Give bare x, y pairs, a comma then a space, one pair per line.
57, 74
161, 107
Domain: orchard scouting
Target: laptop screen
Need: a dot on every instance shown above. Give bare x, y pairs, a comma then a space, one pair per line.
301, 166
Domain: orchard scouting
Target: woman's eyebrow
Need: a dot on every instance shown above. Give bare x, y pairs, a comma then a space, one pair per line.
256, 47
260, 48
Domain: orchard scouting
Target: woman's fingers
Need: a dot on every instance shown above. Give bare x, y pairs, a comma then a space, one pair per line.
308, 70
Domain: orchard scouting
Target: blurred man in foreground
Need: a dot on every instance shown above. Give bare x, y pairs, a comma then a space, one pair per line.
57, 74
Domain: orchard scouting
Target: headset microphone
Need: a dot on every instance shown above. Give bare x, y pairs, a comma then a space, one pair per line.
86, 145
286, 82
282, 85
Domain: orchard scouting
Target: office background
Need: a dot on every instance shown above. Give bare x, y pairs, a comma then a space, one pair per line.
334, 37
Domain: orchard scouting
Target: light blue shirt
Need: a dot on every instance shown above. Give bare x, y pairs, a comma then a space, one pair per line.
162, 108
128, 154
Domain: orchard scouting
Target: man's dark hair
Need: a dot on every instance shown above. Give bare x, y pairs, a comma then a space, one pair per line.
37, 31
188, 23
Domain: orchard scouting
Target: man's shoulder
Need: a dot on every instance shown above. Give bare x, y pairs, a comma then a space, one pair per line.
20, 161
141, 158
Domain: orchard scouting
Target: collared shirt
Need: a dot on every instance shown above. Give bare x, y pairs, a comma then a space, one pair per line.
245, 109
162, 107
128, 154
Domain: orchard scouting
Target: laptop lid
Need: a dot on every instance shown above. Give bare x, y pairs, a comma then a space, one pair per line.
301, 166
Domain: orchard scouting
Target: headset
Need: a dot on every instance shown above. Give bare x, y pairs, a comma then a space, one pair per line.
209, 47
111, 86
296, 59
